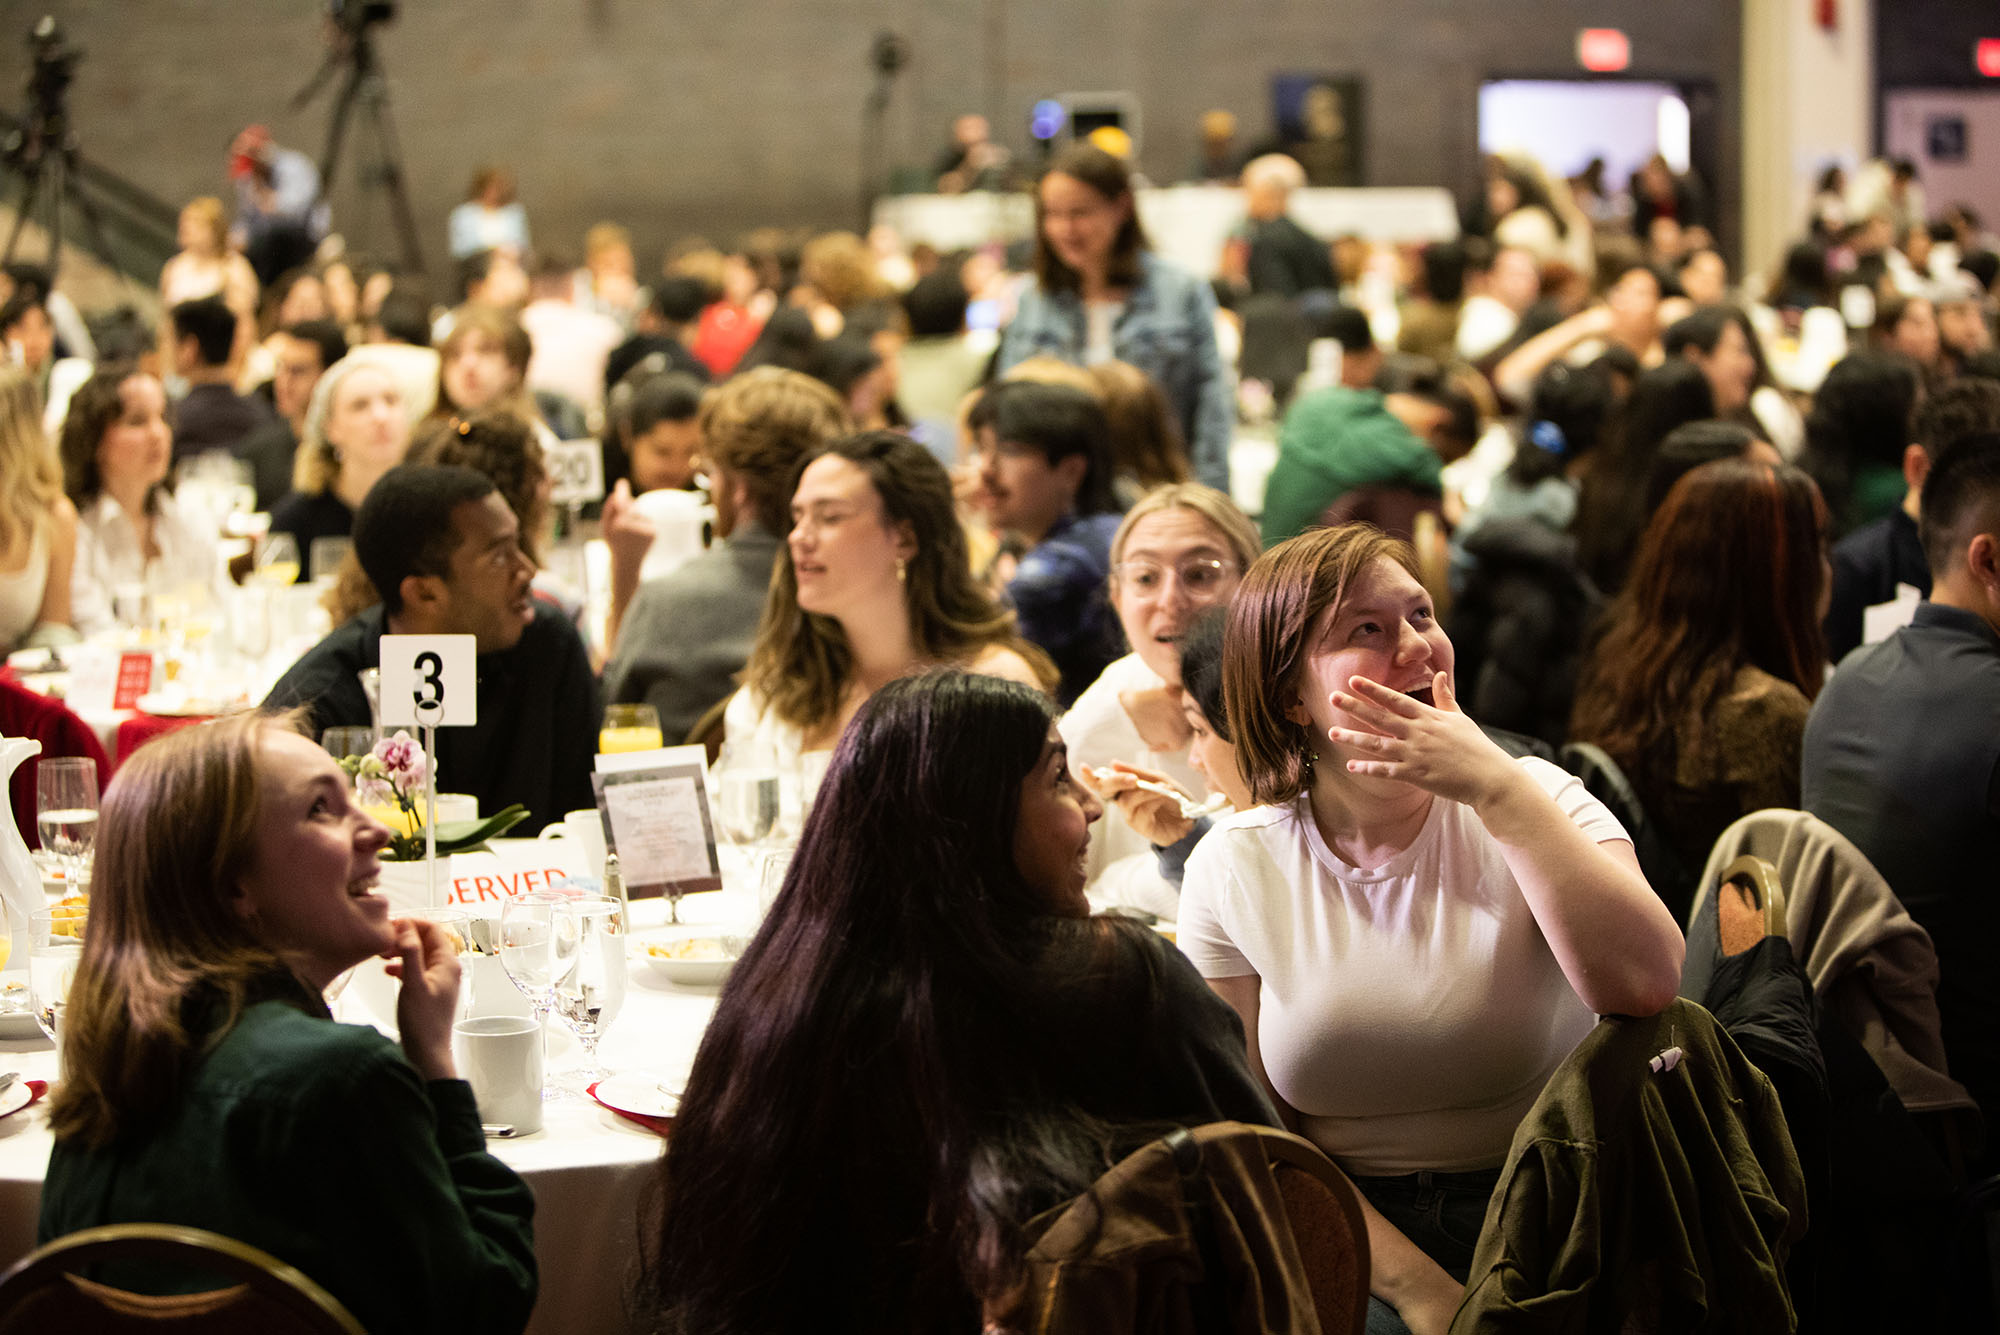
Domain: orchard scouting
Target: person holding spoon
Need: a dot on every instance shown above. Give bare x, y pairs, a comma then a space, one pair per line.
205, 1082
1415, 927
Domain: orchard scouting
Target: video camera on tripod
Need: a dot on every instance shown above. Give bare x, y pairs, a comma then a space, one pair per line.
354, 17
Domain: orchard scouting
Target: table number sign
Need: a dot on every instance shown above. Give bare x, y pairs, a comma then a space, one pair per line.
576, 471
135, 678
431, 682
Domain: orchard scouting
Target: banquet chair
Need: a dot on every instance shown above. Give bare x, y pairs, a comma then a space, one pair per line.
1605, 780
1222, 1228
43, 1292
707, 730
24, 713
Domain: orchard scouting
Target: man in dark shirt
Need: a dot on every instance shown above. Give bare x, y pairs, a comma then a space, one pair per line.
211, 415
1870, 562
444, 551
1284, 258
304, 352
1902, 755
1045, 473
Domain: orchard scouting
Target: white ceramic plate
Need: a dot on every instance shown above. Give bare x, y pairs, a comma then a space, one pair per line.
640, 1095
16, 1097
702, 956
172, 704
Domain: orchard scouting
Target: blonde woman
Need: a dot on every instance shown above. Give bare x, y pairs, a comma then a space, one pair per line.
356, 430
37, 524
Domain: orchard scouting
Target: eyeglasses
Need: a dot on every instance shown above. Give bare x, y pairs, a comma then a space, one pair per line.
1202, 579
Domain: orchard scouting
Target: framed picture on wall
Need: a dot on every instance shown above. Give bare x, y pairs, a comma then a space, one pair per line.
1321, 121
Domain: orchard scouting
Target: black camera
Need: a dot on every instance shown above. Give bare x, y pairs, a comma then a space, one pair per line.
355, 16
53, 65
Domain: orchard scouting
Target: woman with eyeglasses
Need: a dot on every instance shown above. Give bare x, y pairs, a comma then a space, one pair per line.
1181, 550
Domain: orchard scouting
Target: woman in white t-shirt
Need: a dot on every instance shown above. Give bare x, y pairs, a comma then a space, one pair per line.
1416, 928
1181, 549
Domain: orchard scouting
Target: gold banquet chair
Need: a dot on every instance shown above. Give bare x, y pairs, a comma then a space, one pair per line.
263, 1296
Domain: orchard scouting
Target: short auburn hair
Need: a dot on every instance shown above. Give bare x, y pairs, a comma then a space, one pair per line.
1265, 646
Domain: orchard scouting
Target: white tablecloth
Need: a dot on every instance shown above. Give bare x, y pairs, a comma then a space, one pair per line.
587, 1166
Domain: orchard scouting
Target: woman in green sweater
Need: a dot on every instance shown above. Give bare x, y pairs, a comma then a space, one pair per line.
205, 1082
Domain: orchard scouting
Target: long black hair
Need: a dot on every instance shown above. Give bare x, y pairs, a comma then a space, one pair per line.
1862, 417
867, 1111
1611, 512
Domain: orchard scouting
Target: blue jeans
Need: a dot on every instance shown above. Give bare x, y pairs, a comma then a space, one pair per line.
1440, 1212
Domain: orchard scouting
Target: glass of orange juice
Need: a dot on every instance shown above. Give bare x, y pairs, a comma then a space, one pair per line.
629, 728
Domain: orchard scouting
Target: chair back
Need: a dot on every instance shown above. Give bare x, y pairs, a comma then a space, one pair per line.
1225, 1228
24, 713
1672, 880
708, 730
261, 1295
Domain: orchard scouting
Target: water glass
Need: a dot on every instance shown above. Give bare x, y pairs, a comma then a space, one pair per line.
55, 946
66, 810
590, 995
341, 743
749, 803
538, 948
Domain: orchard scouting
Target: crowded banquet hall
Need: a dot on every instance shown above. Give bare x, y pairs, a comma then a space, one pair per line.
625, 624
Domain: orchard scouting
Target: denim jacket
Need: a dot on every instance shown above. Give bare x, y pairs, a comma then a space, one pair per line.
1167, 330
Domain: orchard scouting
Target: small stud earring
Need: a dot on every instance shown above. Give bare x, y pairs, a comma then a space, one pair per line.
902, 571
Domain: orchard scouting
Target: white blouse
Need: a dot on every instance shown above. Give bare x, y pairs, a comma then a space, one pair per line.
109, 555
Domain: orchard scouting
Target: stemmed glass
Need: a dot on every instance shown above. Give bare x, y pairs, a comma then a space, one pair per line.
749, 802
278, 560
589, 997
66, 811
55, 945
538, 949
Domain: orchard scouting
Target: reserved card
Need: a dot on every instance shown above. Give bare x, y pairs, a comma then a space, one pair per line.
658, 816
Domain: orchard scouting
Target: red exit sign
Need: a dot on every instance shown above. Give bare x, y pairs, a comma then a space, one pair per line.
1986, 55
1603, 50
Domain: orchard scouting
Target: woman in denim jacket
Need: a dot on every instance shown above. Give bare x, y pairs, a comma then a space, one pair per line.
1100, 294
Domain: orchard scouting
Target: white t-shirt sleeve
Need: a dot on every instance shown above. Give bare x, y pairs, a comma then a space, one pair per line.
1204, 892
1585, 812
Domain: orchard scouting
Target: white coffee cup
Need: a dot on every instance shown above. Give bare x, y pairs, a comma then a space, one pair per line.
679, 519
586, 827
501, 1057
457, 806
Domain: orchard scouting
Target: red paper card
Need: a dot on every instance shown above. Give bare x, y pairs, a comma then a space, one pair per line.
135, 678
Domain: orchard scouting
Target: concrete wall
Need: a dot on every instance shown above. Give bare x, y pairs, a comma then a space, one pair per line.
678, 116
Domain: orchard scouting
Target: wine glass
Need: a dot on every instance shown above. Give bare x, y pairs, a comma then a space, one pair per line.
630, 728
538, 946
66, 811
590, 995
456, 924
749, 802
278, 560
55, 945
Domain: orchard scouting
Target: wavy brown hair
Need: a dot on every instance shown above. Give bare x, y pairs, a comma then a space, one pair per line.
1729, 575
1268, 639
801, 660
168, 965
30, 478
1110, 177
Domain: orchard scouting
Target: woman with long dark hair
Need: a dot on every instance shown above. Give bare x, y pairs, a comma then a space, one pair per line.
1707, 665
1100, 294
1862, 420
928, 1041
1611, 508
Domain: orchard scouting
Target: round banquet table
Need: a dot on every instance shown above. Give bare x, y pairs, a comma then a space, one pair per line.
588, 1167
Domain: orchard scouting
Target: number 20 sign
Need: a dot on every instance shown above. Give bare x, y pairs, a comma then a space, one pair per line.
429, 680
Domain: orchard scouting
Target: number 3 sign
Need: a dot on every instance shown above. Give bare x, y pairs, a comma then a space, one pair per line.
429, 680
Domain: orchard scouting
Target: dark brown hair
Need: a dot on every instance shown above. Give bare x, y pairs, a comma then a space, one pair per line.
1728, 575
801, 660
93, 409
1108, 175
1267, 642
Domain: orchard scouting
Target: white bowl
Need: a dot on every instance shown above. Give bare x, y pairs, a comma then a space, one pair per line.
701, 956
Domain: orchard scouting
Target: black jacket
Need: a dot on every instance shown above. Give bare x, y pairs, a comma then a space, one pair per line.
1518, 627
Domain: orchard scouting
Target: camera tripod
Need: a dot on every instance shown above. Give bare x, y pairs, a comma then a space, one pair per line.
364, 87
44, 152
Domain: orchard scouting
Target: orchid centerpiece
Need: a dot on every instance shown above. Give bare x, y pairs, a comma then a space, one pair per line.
390, 779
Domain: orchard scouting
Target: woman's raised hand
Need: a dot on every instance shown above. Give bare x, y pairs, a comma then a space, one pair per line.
1156, 816
427, 965
1155, 712
1434, 746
